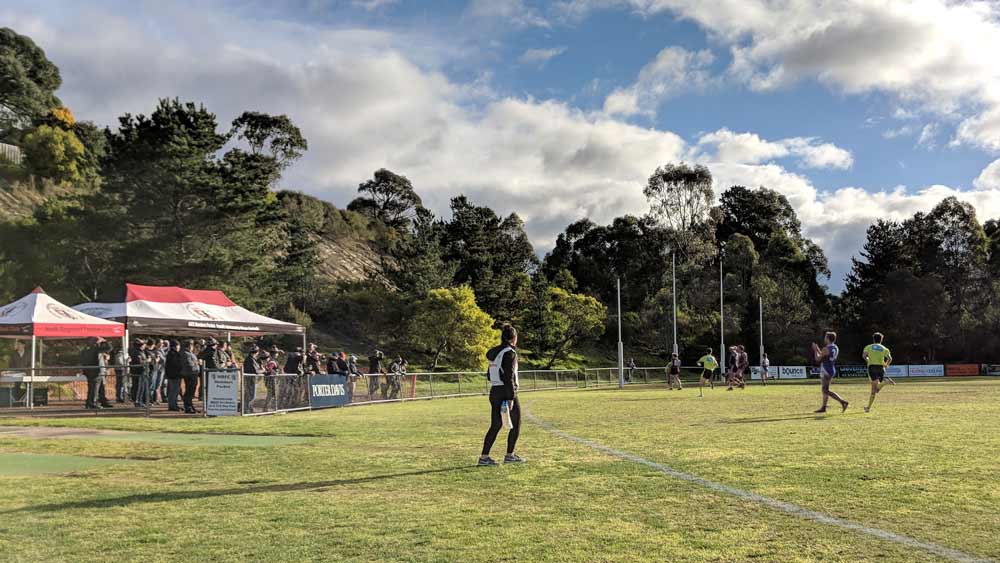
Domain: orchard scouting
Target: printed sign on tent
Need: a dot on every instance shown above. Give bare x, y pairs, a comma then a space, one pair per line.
222, 393
927, 371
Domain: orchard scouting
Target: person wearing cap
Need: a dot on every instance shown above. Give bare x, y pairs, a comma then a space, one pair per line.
375, 370
173, 369
212, 355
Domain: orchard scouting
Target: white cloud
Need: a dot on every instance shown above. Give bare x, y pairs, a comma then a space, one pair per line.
989, 179
373, 5
674, 70
540, 56
512, 12
928, 134
932, 55
750, 148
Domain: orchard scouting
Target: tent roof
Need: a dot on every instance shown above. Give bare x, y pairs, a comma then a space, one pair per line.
177, 310
38, 314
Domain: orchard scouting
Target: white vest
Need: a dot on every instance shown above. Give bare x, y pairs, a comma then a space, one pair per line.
495, 369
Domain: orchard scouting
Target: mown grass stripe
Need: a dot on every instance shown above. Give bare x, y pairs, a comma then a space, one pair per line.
787, 507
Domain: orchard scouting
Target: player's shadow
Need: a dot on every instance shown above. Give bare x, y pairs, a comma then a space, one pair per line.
815, 416
317, 486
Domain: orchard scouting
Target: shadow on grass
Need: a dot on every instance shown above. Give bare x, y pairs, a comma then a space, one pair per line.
129, 500
813, 416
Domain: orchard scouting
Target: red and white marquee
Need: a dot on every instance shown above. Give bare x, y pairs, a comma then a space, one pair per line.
37, 314
176, 310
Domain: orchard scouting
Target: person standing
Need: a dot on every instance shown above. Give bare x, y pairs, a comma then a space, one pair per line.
190, 373
173, 368
121, 374
504, 384
94, 360
251, 369
158, 357
19, 361
765, 365
139, 372
674, 373
708, 365
375, 370
878, 357
742, 362
827, 358
631, 370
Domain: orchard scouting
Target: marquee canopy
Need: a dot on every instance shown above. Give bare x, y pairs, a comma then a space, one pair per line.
37, 314
176, 310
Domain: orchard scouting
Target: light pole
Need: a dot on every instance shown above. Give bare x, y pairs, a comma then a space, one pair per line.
722, 318
621, 348
673, 279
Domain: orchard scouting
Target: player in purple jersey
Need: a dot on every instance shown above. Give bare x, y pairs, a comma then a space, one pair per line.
827, 357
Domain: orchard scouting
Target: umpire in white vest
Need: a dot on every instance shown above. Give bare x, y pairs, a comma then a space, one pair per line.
503, 396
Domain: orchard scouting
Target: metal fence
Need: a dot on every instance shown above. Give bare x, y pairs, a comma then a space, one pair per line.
10, 153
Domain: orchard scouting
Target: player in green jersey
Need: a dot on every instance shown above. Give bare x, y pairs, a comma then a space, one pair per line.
878, 357
708, 365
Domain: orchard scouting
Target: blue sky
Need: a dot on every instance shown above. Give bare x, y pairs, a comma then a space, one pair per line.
854, 109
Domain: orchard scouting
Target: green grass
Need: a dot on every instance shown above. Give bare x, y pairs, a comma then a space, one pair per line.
395, 483
39, 464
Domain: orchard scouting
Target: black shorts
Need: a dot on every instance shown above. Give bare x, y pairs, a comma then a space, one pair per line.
707, 373
674, 371
876, 373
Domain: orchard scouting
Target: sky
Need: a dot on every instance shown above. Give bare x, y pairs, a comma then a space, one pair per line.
853, 109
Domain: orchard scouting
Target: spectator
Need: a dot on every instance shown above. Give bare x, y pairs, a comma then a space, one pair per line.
394, 379
173, 372
251, 369
157, 352
375, 369
270, 362
19, 361
314, 360
190, 370
120, 356
212, 356
94, 359
631, 370
138, 371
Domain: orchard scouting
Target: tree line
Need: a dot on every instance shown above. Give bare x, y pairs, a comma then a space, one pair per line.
175, 198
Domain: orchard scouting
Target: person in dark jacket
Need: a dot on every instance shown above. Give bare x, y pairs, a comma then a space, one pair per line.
251, 369
173, 369
375, 371
190, 372
212, 356
91, 359
503, 393
139, 371
19, 361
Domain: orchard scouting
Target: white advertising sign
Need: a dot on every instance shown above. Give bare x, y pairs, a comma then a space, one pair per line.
772, 372
927, 371
222, 397
793, 372
897, 371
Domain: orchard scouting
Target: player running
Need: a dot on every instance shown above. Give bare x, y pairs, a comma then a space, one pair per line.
878, 358
828, 369
708, 365
674, 373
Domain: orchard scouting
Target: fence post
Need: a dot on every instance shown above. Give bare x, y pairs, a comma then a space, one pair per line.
557, 380
431, 378
534, 380
459, 384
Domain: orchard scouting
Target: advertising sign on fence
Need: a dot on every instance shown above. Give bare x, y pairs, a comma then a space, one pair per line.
927, 371
327, 390
772, 371
991, 369
897, 371
954, 370
222, 393
792, 372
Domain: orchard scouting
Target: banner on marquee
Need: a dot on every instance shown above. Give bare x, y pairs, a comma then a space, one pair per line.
927, 370
957, 370
222, 392
327, 390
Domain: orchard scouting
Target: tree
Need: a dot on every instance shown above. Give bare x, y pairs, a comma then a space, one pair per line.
273, 135
419, 265
388, 198
28, 81
564, 320
51, 152
448, 321
679, 195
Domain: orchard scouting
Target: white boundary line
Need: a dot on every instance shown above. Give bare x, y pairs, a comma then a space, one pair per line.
787, 507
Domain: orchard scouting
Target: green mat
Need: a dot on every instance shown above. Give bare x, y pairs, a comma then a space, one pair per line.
15, 464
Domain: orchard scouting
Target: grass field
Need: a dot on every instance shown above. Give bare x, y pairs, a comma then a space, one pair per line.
396, 482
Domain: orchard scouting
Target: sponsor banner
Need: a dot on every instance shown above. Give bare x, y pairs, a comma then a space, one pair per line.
927, 371
327, 390
897, 371
772, 372
953, 370
991, 369
792, 372
852, 371
222, 396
